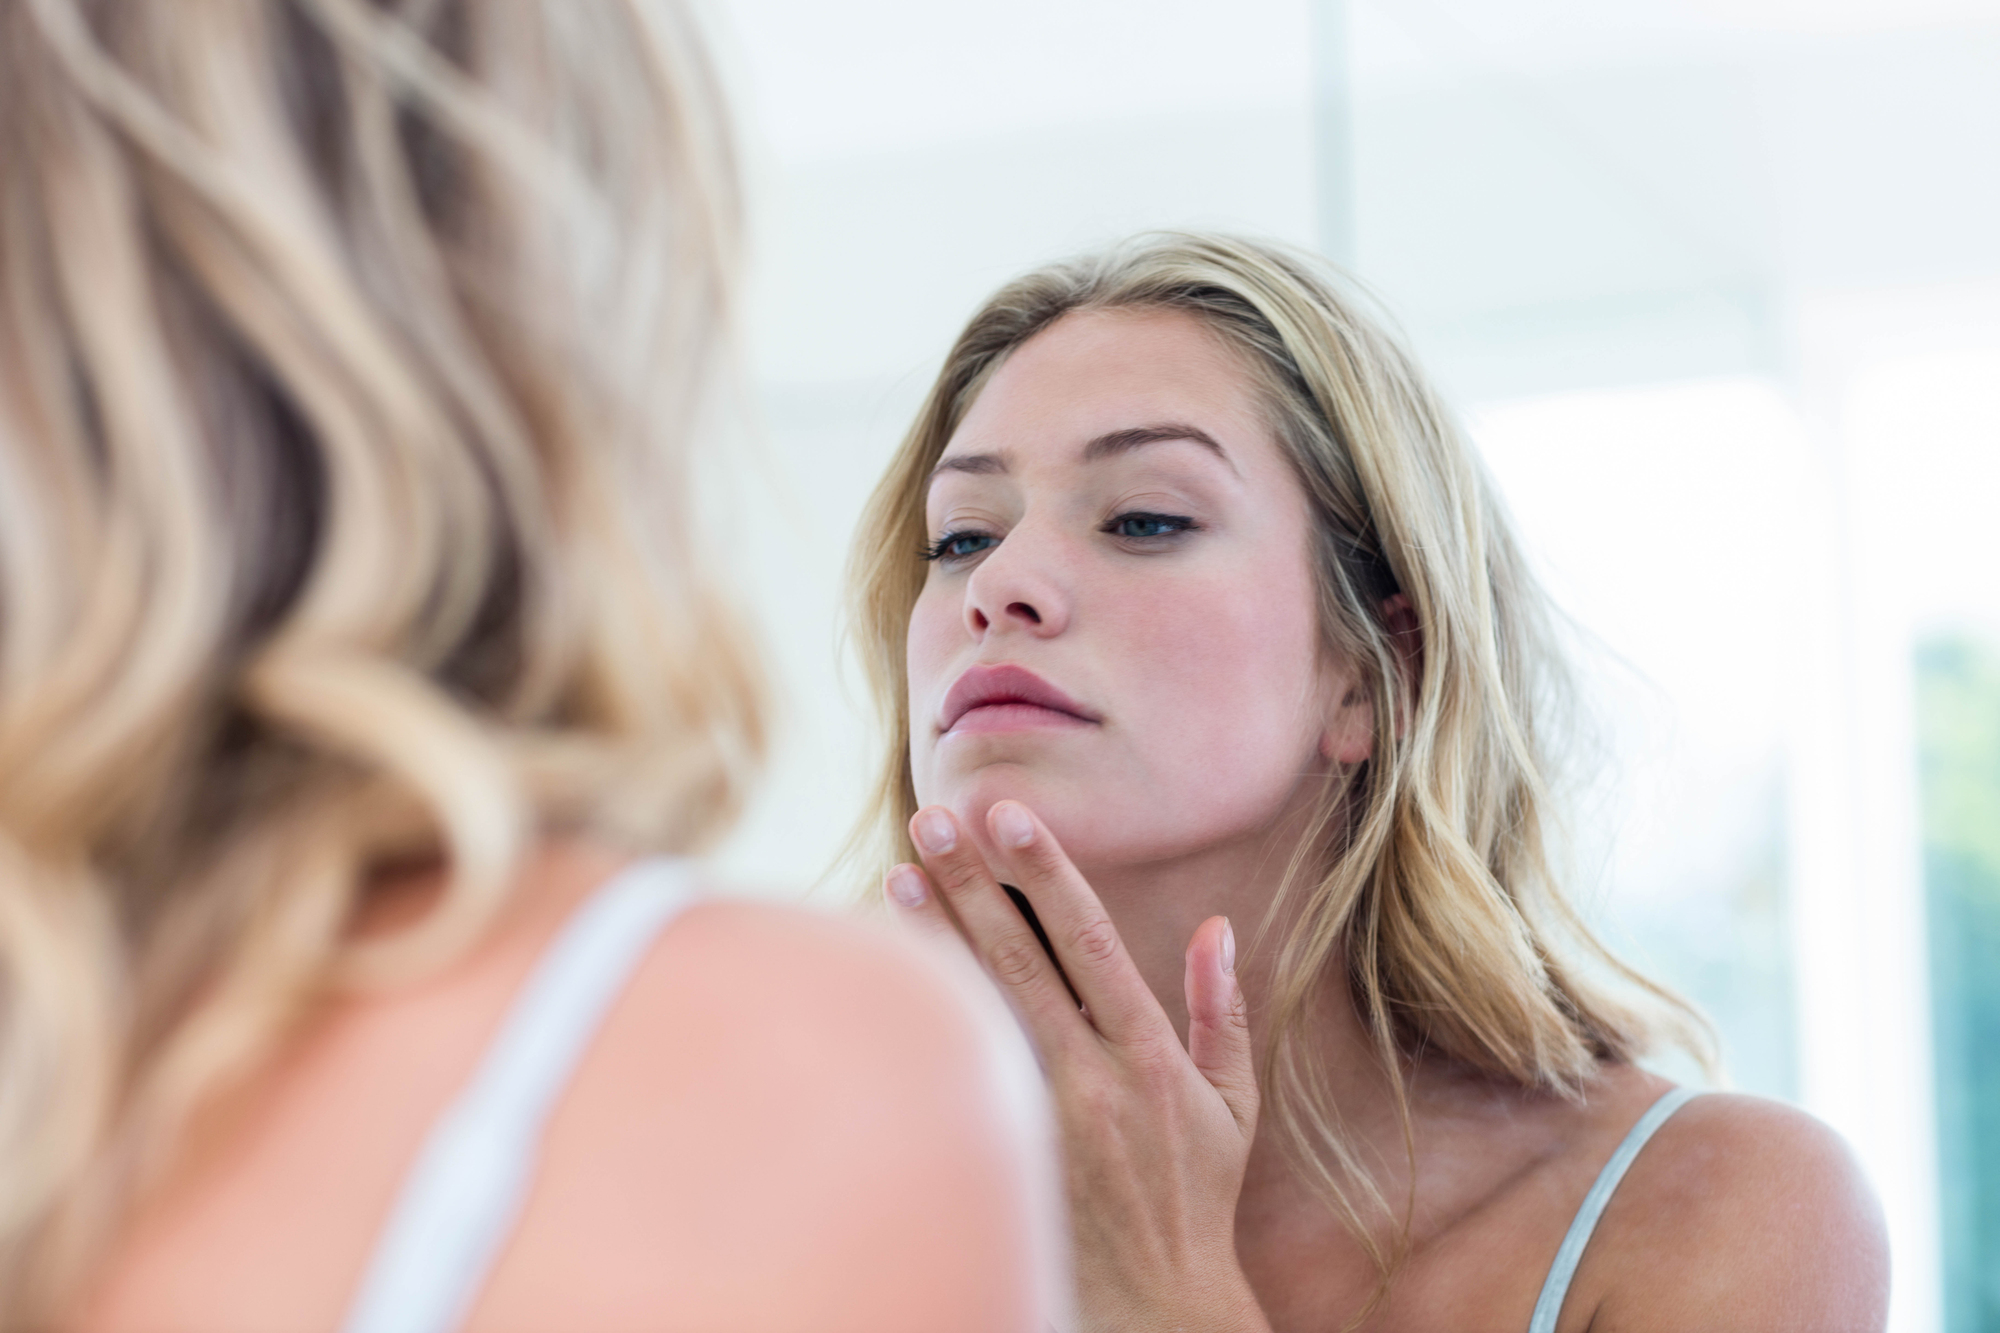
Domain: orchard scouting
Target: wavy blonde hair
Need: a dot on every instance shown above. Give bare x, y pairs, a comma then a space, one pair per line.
1425, 881
350, 354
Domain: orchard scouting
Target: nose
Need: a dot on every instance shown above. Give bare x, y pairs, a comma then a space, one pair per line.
1018, 588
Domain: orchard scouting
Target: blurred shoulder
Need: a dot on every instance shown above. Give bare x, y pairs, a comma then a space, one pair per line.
1743, 1212
802, 969
783, 1091
811, 1015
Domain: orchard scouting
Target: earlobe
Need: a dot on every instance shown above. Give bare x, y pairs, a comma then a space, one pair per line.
1350, 737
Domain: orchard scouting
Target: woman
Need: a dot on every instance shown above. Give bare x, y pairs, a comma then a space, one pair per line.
359, 686
1201, 628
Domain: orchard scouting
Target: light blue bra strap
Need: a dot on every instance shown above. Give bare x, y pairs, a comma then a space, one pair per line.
1556, 1287
462, 1197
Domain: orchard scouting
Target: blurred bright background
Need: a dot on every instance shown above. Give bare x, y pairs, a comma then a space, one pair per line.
1716, 286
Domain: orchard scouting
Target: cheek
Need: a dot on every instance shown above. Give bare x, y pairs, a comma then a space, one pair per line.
1228, 675
1219, 698
936, 637
935, 633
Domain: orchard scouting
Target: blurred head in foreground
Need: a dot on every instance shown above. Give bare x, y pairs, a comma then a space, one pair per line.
349, 353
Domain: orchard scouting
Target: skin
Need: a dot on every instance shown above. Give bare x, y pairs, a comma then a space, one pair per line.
1140, 831
689, 1178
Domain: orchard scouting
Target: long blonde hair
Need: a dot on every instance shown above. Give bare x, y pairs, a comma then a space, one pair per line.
350, 352
1426, 880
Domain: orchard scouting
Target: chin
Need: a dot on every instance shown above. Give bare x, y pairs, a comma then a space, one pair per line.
1078, 813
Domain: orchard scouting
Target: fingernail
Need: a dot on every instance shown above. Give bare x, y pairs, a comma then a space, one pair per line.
906, 886
1012, 825
1228, 947
937, 832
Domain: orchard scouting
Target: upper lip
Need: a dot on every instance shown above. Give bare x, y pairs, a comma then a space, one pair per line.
1005, 684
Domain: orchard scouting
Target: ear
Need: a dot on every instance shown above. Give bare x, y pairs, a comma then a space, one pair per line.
1350, 735
1407, 634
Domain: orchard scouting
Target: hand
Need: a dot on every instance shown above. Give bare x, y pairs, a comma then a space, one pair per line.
1155, 1137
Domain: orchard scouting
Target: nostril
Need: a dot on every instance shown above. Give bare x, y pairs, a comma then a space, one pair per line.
978, 619
1026, 612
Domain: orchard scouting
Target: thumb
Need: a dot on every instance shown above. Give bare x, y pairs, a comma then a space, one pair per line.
1218, 1025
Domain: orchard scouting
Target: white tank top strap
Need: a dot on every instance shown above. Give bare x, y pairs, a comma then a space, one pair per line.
464, 1193
1556, 1286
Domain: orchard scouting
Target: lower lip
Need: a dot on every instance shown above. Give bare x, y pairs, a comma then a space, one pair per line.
1013, 717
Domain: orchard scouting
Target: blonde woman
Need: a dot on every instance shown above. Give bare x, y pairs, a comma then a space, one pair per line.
361, 690
1201, 629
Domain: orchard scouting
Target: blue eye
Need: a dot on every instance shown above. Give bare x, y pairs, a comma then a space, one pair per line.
1140, 526
958, 546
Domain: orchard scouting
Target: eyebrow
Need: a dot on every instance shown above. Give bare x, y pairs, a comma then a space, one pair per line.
1107, 445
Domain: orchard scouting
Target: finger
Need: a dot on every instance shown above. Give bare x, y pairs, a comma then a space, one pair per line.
1122, 1006
919, 908
998, 934
1218, 1025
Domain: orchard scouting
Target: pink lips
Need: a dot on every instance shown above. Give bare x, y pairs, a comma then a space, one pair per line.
1008, 698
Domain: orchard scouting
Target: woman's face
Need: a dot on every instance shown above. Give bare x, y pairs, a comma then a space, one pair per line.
1119, 628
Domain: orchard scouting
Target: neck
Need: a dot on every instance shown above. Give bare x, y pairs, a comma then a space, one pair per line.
1157, 906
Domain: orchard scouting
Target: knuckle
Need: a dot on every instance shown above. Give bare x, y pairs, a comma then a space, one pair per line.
1097, 941
1211, 1025
1014, 962
1044, 859
1232, 1019
958, 876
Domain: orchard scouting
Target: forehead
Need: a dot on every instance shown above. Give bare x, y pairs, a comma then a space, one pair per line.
1094, 372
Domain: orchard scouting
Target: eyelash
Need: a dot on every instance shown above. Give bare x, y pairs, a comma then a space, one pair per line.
941, 548
1178, 523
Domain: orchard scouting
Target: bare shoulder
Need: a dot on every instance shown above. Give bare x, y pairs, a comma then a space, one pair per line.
783, 1091
829, 1016
812, 968
1742, 1212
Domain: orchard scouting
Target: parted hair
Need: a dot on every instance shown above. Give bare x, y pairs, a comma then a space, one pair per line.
1427, 884
350, 355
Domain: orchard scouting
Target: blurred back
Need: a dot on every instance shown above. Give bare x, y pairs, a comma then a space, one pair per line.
348, 356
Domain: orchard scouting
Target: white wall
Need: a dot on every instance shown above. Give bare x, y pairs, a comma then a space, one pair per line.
907, 158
